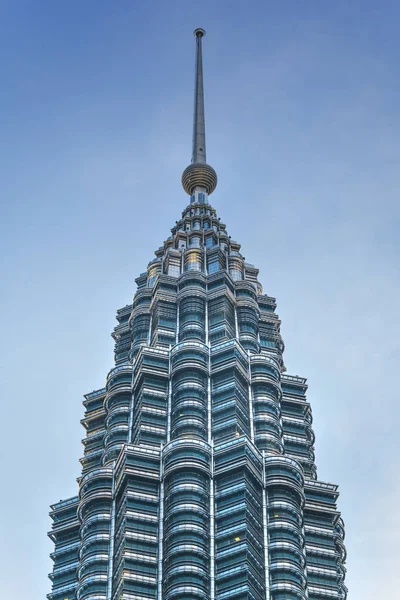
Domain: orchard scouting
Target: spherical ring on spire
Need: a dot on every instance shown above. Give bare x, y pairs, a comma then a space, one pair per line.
199, 175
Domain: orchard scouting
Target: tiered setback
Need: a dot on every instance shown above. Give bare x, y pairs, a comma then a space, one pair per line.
198, 477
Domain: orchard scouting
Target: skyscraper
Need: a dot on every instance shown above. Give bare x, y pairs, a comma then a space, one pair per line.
198, 476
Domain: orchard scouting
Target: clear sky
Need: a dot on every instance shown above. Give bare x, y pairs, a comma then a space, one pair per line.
303, 124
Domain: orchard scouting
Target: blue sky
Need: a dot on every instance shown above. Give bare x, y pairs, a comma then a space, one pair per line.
303, 124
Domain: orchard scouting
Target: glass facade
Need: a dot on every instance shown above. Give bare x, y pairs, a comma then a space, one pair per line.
198, 475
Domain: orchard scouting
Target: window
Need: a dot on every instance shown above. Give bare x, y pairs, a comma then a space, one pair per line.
235, 274
213, 267
174, 270
195, 242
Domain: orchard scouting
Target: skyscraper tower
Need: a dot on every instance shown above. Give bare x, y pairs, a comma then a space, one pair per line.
198, 476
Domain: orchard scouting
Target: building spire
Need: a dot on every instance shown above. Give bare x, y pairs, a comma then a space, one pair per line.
199, 177
199, 133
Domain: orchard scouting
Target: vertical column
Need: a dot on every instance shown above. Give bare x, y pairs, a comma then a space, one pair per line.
206, 320
169, 405
160, 530
117, 404
209, 403
266, 396
177, 323
284, 485
238, 521
251, 414
210, 441
248, 315
212, 528
151, 382
236, 325
189, 390
137, 523
265, 529
65, 535
186, 574
95, 514
191, 317
112, 534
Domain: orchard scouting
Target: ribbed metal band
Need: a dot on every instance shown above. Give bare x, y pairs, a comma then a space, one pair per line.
199, 175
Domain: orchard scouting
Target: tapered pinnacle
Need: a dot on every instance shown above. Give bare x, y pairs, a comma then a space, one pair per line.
199, 175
